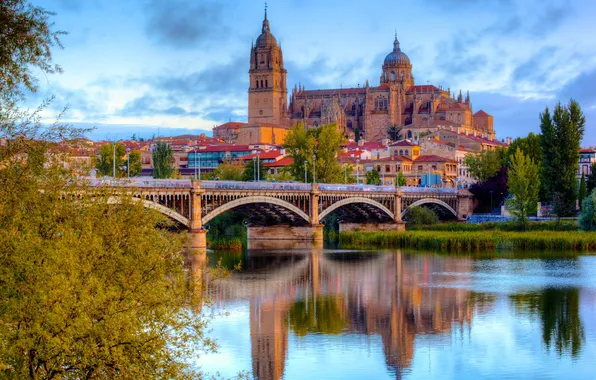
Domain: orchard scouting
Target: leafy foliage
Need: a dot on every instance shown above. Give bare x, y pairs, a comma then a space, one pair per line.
582, 190
394, 132
134, 160
587, 216
249, 173
401, 179
494, 188
486, 164
324, 142
163, 158
591, 180
372, 177
321, 315
529, 146
420, 216
104, 162
26, 41
524, 187
228, 171
560, 151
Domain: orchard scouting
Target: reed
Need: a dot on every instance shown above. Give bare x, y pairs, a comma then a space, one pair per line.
226, 243
470, 241
500, 226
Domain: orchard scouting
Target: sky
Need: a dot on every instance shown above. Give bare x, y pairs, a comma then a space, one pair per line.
174, 66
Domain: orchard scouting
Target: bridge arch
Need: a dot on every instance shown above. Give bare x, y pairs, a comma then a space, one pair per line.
348, 201
254, 199
154, 206
423, 201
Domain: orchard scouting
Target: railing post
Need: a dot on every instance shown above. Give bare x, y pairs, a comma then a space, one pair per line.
314, 204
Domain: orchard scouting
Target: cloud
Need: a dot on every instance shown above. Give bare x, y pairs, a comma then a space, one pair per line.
185, 24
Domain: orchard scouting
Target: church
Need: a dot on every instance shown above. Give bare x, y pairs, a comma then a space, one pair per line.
366, 111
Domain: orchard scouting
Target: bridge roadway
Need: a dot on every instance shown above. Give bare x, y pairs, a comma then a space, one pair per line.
285, 210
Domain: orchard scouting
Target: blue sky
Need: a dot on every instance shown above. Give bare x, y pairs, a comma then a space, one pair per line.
178, 66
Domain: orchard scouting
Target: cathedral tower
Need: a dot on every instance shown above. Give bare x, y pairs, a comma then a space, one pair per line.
267, 92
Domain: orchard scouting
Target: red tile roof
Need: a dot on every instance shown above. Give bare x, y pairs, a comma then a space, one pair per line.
336, 91
402, 143
225, 148
481, 113
231, 125
286, 161
368, 145
587, 150
424, 88
432, 158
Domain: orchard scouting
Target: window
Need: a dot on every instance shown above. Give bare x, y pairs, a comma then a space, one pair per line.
261, 83
387, 168
401, 152
349, 124
266, 84
393, 75
257, 84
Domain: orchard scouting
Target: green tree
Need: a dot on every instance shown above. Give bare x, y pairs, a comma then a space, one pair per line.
104, 162
163, 158
134, 160
373, 177
250, 170
401, 179
228, 171
486, 164
591, 180
420, 216
26, 41
322, 315
394, 132
357, 134
587, 216
529, 145
582, 190
524, 187
548, 144
569, 123
324, 143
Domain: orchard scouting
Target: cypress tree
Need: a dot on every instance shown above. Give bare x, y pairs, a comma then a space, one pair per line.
582, 190
548, 144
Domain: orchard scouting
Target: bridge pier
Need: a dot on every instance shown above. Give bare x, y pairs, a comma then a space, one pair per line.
372, 227
197, 239
281, 232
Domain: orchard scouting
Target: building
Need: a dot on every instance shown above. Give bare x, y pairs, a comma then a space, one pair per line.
367, 110
586, 158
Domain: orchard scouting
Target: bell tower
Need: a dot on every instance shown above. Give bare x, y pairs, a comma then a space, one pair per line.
267, 92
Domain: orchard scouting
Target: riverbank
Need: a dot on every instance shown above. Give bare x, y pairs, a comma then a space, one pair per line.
469, 241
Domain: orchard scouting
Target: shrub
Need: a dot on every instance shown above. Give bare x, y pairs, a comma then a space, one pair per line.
421, 216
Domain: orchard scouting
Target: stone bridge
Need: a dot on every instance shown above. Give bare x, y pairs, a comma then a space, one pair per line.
287, 210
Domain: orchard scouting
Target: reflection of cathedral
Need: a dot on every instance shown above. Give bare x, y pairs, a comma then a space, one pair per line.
386, 295
367, 109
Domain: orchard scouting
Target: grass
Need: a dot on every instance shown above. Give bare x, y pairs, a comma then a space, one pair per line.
470, 241
500, 226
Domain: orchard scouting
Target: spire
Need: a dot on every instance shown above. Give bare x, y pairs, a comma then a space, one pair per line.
468, 96
265, 22
396, 43
459, 98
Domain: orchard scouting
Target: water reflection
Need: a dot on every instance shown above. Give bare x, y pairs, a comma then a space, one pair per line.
403, 299
558, 311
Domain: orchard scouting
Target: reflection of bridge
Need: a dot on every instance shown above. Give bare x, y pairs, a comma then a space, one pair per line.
300, 207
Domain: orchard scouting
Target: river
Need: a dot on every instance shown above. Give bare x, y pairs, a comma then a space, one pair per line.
336, 314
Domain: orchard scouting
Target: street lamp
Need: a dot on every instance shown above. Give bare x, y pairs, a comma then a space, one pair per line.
357, 172
314, 169
195, 162
199, 155
114, 159
305, 171
254, 168
491, 201
258, 166
345, 173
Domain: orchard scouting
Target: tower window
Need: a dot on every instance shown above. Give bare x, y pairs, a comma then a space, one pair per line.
261, 83
266, 84
257, 84
393, 75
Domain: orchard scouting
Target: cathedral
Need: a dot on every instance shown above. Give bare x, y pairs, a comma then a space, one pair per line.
367, 111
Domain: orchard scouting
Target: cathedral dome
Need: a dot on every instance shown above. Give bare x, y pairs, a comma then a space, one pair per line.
396, 56
266, 39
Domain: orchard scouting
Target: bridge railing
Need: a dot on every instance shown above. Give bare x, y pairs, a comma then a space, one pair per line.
238, 185
367, 188
139, 182
431, 190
